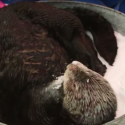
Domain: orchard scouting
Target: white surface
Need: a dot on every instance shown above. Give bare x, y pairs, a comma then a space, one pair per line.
116, 74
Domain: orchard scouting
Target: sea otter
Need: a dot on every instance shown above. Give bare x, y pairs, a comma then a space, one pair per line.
35, 47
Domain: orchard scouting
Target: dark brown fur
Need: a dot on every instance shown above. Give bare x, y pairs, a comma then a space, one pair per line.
29, 61
102, 31
70, 34
36, 42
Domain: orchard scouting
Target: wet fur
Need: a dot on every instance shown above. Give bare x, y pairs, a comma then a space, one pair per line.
29, 60
101, 29
71, 35
35, 47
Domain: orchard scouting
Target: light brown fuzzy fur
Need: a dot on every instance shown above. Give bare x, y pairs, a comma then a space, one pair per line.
89, 98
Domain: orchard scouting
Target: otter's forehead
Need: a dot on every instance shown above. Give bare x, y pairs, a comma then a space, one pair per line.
76, 69
85, 70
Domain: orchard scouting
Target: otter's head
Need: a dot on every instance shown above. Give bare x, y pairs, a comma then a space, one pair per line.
88, 97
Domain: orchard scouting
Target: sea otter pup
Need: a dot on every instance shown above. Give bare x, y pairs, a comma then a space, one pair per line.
88, 97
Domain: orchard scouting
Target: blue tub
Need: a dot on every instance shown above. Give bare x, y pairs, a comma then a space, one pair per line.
122, 6
111, 3
115, 4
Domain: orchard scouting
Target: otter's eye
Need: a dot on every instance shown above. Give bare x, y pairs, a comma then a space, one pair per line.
74, 85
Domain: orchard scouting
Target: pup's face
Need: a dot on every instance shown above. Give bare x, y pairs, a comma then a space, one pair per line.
88, 97
75, 77
76, 80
